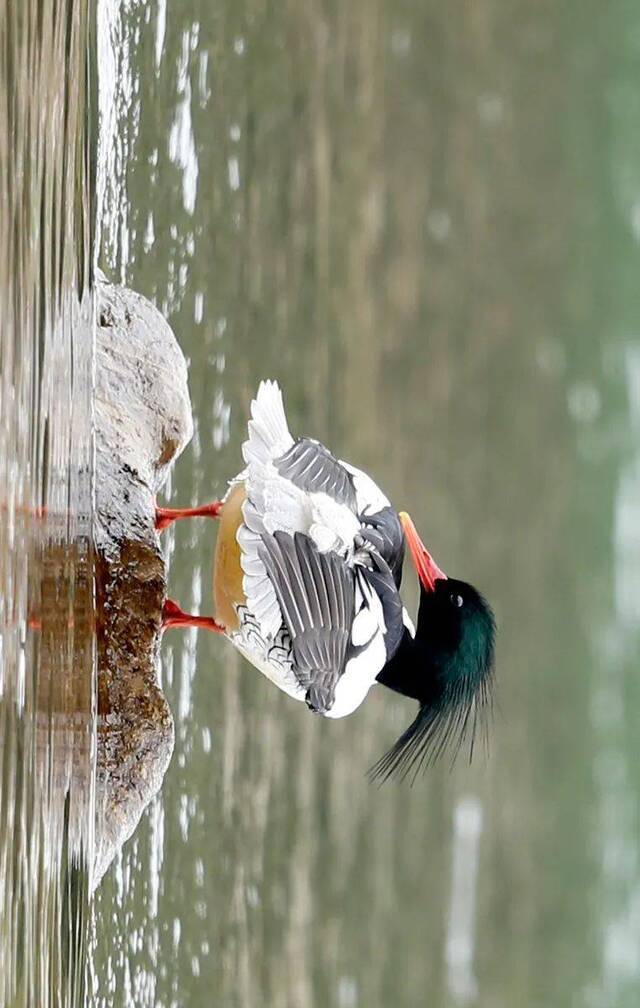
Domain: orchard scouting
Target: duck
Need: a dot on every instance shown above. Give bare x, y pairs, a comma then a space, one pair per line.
307, 573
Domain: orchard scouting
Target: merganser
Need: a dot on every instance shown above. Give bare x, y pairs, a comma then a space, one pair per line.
307, 571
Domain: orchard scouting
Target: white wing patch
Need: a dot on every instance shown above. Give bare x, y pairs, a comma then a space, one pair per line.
360, 672
333, 525
408, 622
369, 615
370, 498
357, 679
284, 508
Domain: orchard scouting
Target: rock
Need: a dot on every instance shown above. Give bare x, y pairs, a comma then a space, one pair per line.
143, 421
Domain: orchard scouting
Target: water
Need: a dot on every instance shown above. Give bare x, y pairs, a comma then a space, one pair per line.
46, 589
424, 220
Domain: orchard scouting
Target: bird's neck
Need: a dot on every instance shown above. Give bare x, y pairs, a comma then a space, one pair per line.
411, 671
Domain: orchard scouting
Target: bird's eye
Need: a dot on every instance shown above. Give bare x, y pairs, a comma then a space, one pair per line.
457, 600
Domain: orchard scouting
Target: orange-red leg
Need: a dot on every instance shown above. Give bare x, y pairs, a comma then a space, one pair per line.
174, 616
35, 623
166, 516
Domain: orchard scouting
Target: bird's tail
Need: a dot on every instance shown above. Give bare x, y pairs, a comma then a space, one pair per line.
269, 435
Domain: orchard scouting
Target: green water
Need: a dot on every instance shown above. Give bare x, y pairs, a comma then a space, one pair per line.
424, 220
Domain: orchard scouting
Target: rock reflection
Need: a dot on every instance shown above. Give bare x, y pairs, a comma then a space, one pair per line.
47, 725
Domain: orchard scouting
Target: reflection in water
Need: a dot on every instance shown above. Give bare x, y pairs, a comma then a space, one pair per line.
614, 775
47, 737
432, 206
460, 947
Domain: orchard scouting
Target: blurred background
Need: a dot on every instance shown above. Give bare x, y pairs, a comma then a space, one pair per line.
424, 220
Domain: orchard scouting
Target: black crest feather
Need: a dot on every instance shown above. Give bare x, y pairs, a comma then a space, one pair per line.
436, 728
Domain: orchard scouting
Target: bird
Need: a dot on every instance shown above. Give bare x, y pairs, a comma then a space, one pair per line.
307, 574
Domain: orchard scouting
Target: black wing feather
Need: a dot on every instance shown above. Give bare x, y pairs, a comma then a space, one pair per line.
316, 593
384, 532
380, 578
314, 469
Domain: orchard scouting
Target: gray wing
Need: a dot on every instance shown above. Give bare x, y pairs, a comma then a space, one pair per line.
313, 468
316, 593
384, 532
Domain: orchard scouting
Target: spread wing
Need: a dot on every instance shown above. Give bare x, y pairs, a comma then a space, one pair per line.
291, 487
316, 594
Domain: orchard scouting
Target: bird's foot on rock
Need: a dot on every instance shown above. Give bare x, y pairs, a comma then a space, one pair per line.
174, 616
166, 516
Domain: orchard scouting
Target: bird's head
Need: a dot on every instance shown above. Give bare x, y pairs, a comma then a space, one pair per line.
447, 667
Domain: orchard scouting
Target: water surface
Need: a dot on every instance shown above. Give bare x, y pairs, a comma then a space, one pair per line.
46, 582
